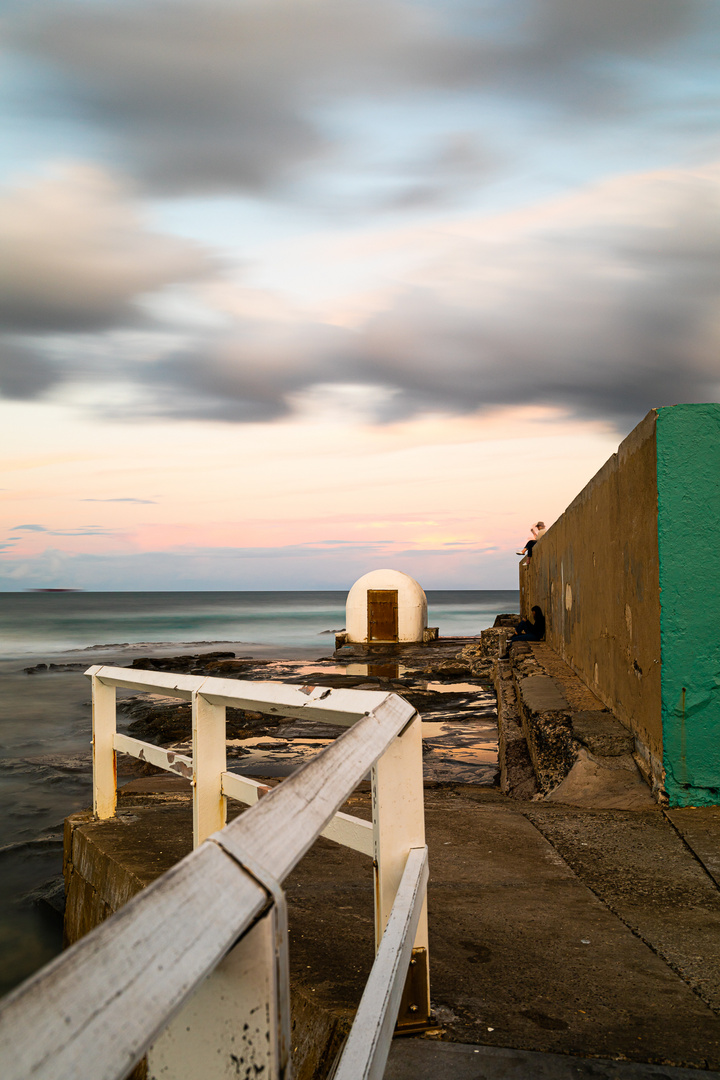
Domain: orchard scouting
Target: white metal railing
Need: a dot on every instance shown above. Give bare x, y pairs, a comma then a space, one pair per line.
193, 971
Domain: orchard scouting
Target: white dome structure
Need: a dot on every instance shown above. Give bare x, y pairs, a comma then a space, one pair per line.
385, 605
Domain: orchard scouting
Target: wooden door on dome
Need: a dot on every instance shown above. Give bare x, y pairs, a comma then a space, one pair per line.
382, 614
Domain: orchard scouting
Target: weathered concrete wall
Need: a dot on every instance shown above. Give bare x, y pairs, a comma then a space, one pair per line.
595, 575
107, 863
688, 478
629, 582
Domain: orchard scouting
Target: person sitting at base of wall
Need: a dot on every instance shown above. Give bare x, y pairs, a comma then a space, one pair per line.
530, 631
536, 531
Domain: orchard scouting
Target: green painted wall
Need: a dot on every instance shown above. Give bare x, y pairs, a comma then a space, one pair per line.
688, 482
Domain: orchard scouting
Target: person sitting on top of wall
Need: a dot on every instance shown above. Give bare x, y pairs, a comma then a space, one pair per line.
530, 631
536, 531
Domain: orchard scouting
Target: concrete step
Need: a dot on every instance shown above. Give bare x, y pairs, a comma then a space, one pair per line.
421, 1059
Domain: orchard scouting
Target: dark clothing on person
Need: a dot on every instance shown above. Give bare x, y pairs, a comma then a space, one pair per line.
528, 548
530, 631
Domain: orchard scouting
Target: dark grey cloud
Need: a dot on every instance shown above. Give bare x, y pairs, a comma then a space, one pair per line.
29, 528
245, 376
453, 167
25, 374
565, 52
603, 326
75, 255
218, 95
208, 96
602, 307
77, 258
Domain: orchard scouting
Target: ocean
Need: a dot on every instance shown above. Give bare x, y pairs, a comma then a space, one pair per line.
45, 720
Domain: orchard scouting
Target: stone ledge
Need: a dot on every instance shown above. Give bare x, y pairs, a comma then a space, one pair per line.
580, 753
517, 775
602, 734
540, 693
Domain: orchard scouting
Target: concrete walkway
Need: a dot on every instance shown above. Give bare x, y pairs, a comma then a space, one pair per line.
414, 1059
554, 930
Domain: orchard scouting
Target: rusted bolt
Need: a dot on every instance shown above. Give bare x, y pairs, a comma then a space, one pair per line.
413, 1008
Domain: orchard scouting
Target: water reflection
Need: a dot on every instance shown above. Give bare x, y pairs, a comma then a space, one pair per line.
387, 670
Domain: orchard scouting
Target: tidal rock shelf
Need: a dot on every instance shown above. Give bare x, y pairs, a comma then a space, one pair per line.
448, 683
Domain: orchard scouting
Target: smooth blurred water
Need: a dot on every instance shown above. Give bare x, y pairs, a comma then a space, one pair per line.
34, 623
45, 774
45, 722
42, 624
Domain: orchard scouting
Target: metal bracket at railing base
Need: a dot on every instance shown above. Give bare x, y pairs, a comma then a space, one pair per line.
414, 1012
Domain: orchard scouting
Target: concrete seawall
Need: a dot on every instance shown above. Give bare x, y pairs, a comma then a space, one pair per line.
628, 581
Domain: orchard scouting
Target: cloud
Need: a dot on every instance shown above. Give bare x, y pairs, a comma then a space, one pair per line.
75, 255
207, 96
143, 502
453, 166
83, 530
224, 96
603, 304
89, 530
251, 568
25, 373
569, 53
248, 375
77, 259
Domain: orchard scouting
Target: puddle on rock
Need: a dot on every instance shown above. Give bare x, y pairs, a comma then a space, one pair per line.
459, 725
388, 670
464, 752
454, 688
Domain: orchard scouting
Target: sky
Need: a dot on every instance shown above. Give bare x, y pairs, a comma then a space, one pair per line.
291, 290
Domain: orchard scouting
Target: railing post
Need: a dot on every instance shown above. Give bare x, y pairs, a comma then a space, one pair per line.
103, 749
194, 972
232, 1025
399, 825
209, 763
